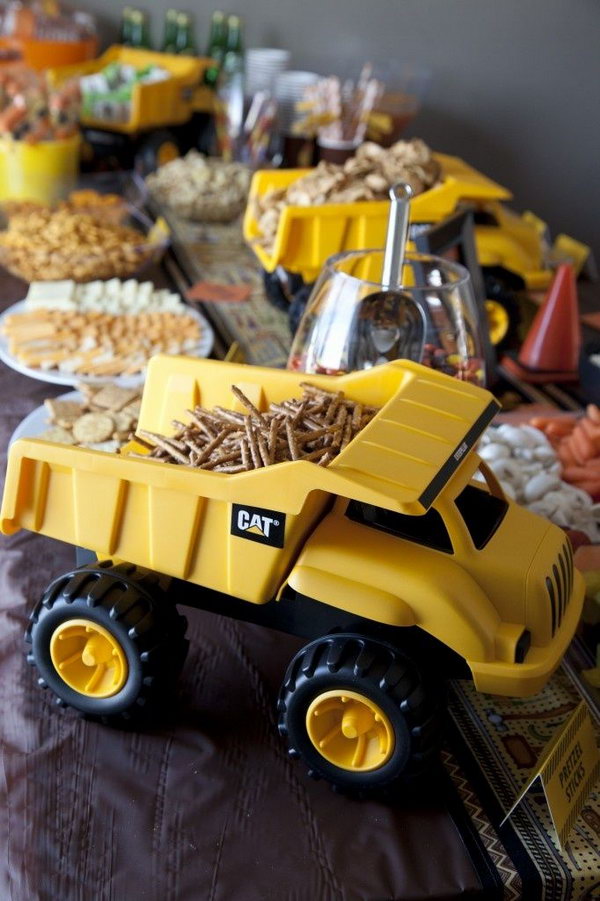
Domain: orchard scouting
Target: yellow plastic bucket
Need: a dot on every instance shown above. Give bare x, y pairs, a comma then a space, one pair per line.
45, 172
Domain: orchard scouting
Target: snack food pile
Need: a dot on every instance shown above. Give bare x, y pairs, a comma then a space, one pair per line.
31, 111
108, 207
198, 188
366, 176
112, 296
97, 344
104, 420
527, 466
106, 95
58, 244
315, 427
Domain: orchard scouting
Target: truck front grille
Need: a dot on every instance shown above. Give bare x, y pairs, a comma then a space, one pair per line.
559, 585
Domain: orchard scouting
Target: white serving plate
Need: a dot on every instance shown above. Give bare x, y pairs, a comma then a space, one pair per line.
55, 377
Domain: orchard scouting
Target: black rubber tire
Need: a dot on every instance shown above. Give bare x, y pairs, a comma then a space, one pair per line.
381, 673
503, 287
274, 290
298, 306
128, 602
147, 155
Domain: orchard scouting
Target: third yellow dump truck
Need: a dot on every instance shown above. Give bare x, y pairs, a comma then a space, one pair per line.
401, 555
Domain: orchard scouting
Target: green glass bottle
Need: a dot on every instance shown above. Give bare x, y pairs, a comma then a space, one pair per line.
217, 45
233, 61
125, 33
168, 44
140, 32
185, 44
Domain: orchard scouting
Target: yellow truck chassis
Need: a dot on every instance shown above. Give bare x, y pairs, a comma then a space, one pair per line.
399, 555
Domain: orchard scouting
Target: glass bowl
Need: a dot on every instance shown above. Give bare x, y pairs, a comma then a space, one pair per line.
29, 255
351, 323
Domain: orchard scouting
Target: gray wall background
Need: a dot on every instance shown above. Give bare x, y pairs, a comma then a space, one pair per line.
515, 86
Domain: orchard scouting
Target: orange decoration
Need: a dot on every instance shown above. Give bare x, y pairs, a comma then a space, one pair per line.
550, 352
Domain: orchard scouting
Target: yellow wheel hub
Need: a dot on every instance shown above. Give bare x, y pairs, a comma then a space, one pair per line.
88, 658
350, 731
498, 320
166, 153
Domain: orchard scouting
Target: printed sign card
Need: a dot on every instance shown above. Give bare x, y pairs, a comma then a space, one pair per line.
216, 292
568, 771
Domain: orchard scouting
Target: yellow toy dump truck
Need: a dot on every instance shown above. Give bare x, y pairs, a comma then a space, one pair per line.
400, 555
307, 235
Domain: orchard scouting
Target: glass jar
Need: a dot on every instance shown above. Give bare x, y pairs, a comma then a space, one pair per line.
351, 322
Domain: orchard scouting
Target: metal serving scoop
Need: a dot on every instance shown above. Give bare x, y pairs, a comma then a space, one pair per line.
391, 325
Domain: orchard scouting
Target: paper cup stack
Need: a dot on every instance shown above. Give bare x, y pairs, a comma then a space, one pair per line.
263, 67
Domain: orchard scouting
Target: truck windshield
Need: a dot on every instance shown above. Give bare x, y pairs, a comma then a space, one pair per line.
428, 529
482, 513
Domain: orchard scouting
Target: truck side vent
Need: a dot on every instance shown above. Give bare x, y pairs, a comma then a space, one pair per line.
550, 587
560, 585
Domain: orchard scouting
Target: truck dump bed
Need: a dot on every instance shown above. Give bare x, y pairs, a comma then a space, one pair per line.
308, 235
180, 521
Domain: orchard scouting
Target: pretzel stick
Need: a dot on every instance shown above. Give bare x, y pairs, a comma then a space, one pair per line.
307, 437
196, 449
274, 428
256, 458
202, 425
231, 415
225, 458
293, 446
300, 412
314, 455
333, 407
248, 404
165, 444
263, 449
347, 434
246, 459
340, 422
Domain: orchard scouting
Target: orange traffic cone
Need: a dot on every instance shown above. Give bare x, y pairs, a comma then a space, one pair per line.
550, 352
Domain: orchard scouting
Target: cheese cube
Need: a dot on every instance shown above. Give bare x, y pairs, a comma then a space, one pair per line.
49, 294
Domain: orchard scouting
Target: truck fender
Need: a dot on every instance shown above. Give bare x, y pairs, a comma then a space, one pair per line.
354, 597
457, 612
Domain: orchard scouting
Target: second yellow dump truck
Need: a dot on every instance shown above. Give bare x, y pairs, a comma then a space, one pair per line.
401, 555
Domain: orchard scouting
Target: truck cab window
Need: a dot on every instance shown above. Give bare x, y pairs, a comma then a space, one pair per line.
482, 513
484, 217
428, 529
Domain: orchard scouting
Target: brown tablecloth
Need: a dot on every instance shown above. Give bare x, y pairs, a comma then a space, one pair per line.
207, 806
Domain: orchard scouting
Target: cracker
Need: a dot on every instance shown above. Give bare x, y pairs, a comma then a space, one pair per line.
123, 421
57, 435
134, 408
93, 428
63, 412
114, 398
